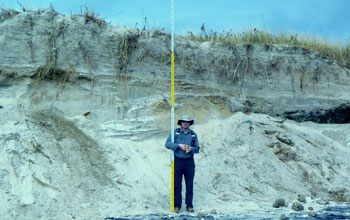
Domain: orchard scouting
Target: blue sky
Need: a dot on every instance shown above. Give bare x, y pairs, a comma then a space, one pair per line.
326, 19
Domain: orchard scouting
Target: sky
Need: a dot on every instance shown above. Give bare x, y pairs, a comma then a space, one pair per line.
325, 19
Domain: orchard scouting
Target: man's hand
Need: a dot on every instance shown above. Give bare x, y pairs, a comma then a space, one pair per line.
183, 147
189, 149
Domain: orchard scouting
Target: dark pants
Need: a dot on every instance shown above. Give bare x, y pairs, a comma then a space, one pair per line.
183, 167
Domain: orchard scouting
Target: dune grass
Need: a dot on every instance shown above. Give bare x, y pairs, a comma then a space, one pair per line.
6, 13
339, 53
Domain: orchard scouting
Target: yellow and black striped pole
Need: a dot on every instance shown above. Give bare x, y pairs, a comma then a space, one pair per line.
172, 103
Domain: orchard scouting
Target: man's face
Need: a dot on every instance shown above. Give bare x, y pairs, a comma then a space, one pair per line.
185, 124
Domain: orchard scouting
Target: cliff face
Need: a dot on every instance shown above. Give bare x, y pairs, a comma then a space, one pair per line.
85, 113
116, 64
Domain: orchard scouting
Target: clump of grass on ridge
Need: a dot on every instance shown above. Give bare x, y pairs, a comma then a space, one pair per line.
330, 50
90, 15
7, 13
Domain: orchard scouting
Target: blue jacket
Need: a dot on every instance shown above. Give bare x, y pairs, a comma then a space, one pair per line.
182, 138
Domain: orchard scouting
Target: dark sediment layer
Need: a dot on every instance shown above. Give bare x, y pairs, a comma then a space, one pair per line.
337, 115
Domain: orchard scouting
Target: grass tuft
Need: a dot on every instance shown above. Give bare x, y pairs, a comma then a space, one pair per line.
7, 13
92, 16
125, 45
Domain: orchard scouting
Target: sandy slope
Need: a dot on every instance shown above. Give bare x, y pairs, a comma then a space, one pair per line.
67, 167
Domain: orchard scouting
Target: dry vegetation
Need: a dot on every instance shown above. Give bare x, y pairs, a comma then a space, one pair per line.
7, 13
330, 50
93, 17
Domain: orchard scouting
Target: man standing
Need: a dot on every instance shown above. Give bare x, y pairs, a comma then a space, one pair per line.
185, 146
